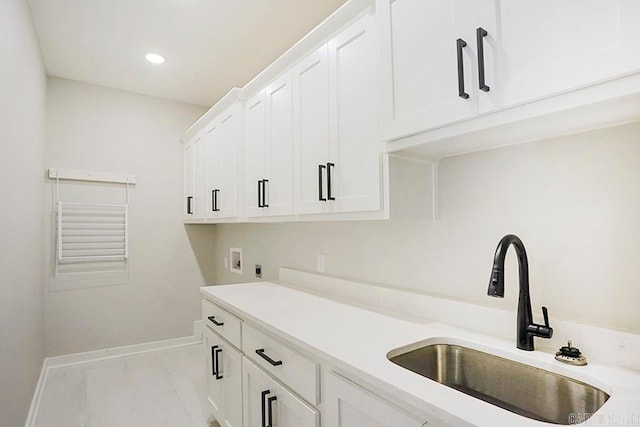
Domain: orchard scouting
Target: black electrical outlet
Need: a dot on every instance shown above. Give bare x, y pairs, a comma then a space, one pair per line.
258, 270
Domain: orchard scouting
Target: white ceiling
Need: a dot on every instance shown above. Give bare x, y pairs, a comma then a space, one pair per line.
210, 45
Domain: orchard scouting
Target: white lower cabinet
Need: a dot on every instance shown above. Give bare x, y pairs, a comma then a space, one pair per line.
269, 404
270, 382
224, 379
346, 404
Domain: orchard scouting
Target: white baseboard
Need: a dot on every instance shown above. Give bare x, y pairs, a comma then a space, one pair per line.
107, 353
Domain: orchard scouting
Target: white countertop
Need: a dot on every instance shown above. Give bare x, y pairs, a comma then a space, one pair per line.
357, 341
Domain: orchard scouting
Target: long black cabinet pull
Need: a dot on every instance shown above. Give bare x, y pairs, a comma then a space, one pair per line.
260, 193
190, 205
217, 362
320, 179
260, 352
481, 33
460, 44
213, 320
270, 401
264, 193
213, 360
264, 407
329, 194
214, 200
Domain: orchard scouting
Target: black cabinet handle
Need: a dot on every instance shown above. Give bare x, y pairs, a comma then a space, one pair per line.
320, 179
260, 352
264, 193
215, 198
264, 407
329, 195
213, 320
460, 44
481, 33
260, 193
213, 360
190, 205
217, 362
270, 401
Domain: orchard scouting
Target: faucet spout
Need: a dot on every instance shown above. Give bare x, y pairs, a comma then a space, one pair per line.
526, 328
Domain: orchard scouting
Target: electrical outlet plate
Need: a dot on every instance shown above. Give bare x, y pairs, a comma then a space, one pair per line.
258, 271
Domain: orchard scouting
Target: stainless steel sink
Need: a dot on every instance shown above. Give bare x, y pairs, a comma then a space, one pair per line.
528, 391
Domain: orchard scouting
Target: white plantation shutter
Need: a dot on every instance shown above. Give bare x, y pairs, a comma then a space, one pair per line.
91, 232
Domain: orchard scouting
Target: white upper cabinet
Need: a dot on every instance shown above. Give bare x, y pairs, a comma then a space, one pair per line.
446, 61
193, 180
311, 132
255, 138
546, 47
269, 156
427, 75
278, 189
221, 141
336, 145
353, 174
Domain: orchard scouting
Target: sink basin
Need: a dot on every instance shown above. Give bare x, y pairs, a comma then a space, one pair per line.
525, 390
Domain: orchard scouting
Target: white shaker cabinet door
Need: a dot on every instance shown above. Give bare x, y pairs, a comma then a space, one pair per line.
189, 164
420, 83
349, 405
194, 179
268, 403
311, 132
278, 190
211, 162
214, 381
255, 151
229, 139
224, 379
545, 47
353, 174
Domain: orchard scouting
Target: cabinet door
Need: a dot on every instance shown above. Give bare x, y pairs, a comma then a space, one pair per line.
354, 170
227, 197
189, 181
419, 64
279, 154
349, 405
214, 382
264, 397
255, 146
211, 172
224, 379
194, 180
230, 369
546, 47
311, 132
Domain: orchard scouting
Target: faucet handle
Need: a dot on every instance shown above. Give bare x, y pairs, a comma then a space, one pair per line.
543, 331
545, 313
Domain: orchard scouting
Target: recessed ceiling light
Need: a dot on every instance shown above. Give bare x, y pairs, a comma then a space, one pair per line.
154, 58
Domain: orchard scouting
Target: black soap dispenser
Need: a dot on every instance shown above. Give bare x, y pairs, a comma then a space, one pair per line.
571, 355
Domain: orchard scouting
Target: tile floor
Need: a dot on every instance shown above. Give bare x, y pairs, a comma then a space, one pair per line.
158, 388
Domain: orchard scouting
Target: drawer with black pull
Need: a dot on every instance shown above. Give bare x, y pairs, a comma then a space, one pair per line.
283, 363
222, 322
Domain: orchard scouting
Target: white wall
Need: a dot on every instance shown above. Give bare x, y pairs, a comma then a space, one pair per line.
98, 129
22, 97
574, 201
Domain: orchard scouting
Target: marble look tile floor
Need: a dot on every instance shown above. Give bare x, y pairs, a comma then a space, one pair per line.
158, 388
